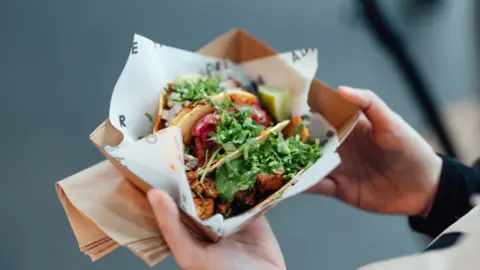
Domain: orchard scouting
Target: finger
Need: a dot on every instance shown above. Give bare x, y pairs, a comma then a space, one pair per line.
258, 230
374, 108
185, 249
326, 187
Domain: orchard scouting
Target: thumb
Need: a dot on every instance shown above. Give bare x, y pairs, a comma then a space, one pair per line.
374, 108
185, 249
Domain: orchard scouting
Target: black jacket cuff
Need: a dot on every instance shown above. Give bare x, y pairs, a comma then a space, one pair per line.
457, 183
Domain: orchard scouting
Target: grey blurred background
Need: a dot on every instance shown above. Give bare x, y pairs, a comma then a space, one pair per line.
59, 62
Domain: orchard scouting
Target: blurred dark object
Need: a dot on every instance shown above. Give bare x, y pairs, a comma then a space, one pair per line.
418, 10
476, 164
413, 7
393, 43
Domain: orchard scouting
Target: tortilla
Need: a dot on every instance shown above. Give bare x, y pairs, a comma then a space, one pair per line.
187, 120
161, 107
267, 188
188, 112
159, 122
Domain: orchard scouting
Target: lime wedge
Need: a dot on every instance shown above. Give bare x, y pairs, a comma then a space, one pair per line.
276, 102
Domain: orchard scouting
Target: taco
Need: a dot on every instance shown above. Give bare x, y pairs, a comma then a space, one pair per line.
260, 170
219, 128
235, 155
215, 117
180, 96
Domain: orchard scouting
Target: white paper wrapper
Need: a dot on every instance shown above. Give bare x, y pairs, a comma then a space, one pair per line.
158, 158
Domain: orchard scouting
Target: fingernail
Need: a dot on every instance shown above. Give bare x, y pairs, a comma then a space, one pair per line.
152, 196
160, 200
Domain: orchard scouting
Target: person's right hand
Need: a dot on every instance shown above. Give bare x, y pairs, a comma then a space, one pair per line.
387, 167
254, 247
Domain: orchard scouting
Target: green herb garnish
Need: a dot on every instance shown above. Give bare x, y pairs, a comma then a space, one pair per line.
235, 126
149, 116
199, 195
229, 147
209, 163
232, 177
206, 158
276, 155
229, 212
289, 156
192, 92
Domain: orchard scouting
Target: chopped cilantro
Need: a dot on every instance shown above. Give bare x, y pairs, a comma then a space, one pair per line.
236, 125
222, 105
149, 116
275, 155
284, 155
209, 163
199, 195
229, 147
233, 177
192, 92
206, 158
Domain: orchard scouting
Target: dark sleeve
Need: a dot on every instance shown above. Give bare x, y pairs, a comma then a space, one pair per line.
457, 183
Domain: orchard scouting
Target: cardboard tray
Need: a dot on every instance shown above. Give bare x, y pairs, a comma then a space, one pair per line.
239, 46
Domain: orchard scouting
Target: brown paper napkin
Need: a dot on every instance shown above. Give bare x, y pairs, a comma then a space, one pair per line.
107, 212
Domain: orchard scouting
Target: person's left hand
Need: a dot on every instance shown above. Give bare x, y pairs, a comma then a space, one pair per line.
255, 247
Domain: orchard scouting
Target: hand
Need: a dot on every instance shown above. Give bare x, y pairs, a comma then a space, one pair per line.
255, 247
387, 167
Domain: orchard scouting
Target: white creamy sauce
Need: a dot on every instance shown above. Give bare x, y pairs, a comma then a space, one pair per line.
190, 162
168, 115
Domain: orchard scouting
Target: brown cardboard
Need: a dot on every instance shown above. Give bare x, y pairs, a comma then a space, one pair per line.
98, 240
131, 222
239, 46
